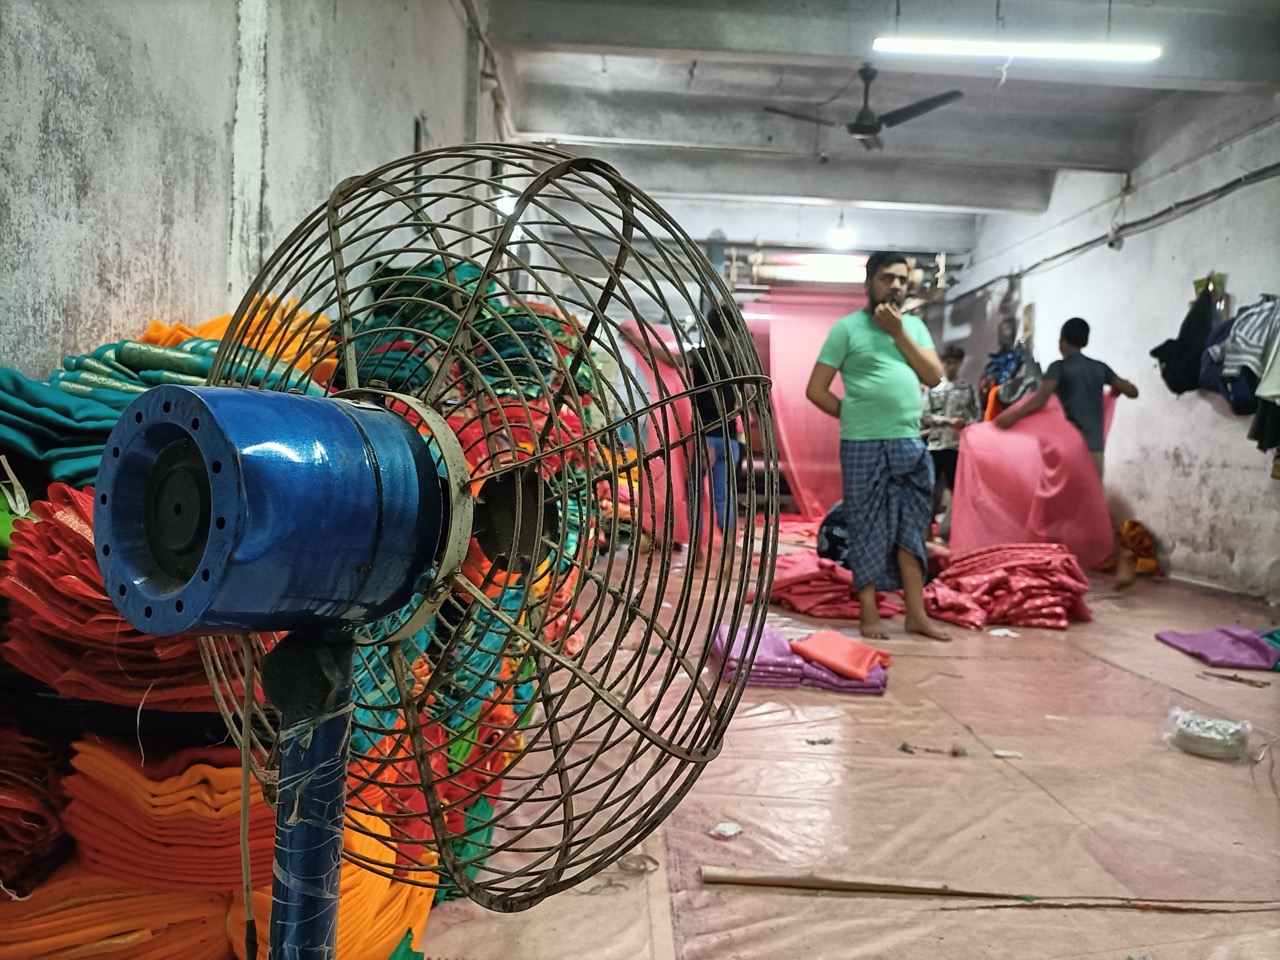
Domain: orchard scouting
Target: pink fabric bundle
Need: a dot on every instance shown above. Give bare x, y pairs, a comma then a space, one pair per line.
1033, 483
821, 588
1025, 585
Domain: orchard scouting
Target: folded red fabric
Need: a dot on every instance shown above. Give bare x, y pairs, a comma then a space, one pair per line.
1021, 584
32, 840
817, 587
66, 632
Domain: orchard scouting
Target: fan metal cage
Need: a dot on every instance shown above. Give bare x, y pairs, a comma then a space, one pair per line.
547, 696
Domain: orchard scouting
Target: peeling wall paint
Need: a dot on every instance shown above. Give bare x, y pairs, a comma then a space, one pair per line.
1182, 465
248, 147
152, 153
114, 167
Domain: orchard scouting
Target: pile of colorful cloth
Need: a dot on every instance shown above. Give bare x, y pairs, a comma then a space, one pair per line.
821, 588
65, 632
826, 660
32, 841
1023, 585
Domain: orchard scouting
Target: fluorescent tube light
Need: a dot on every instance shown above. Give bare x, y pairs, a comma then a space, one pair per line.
1001, 48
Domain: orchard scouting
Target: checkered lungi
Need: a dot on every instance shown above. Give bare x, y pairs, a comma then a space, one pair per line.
888, 487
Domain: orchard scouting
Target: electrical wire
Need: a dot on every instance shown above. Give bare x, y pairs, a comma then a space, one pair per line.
1174, 211
501, 104
246, 740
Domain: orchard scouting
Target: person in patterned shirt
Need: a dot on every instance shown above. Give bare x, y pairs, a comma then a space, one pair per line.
948, 408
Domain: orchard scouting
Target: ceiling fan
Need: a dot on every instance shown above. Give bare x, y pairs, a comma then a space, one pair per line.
866, 126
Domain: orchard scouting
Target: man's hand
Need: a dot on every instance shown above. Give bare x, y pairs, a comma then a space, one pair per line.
1004, 421
889, 319
956, 423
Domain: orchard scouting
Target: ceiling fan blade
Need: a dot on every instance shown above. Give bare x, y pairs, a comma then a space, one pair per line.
800, 116
919, 108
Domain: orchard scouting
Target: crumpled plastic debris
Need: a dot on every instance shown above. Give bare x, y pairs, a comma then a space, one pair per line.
725, 831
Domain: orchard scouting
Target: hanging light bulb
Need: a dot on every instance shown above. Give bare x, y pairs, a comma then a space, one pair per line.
840, 237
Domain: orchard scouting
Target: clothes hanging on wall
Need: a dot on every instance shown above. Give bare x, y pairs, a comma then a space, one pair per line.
1252, 340
1179, 358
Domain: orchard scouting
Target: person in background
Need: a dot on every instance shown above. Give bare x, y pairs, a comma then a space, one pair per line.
883, 357
948, 408
1078, 381
708, 365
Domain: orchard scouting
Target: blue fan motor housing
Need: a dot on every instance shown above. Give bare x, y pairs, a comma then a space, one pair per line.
224, 507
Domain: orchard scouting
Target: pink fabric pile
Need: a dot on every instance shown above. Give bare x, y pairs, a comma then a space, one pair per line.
820, 588
1023, 585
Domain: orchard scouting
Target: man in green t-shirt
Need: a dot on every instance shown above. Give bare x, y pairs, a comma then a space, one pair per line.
883, 357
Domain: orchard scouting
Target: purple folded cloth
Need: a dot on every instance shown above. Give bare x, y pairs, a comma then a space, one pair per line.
1231, 647
776, 665
816, 675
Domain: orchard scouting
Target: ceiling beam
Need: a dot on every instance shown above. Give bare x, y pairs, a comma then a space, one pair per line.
806, 225
1203, 49
719, 174
955, 134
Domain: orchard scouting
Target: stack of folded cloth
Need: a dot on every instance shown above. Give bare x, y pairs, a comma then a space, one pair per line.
827, 660
65, 631
374, 912
77, 914
32, 842
1021, 584
173, 823
836, 662
774, 664
817, 587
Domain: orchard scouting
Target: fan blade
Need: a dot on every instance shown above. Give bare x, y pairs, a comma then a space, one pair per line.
800, 116
872, 143
919, 108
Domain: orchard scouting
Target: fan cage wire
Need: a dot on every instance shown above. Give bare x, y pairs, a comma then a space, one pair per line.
618, 730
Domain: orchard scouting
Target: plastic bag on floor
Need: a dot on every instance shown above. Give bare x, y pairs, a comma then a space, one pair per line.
1207, 736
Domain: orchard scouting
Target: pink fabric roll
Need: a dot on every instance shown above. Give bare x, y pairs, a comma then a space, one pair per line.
1033, 483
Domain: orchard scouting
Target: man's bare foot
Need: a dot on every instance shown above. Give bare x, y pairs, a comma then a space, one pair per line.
927, 628
873, 629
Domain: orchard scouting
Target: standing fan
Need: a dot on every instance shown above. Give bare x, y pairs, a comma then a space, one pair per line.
387, 510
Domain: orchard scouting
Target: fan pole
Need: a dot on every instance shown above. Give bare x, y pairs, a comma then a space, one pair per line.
307, 676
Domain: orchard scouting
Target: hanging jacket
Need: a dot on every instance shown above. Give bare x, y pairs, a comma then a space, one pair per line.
1211, 367
1179, 359
1252, 340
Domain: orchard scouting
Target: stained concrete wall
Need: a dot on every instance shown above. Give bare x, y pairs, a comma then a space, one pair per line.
1183, 465
152, 152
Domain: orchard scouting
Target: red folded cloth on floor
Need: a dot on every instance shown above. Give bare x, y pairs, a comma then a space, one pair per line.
32, 841
840, 654
809, 584
65, 631
1025, 585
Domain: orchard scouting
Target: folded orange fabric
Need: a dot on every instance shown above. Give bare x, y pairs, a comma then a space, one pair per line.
173, 823
840, 654
78, 914
279, 328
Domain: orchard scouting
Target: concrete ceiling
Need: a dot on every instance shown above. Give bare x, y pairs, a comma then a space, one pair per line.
672, 92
